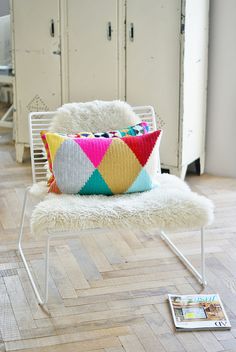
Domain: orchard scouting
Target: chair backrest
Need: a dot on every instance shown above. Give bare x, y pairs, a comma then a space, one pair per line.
40, 121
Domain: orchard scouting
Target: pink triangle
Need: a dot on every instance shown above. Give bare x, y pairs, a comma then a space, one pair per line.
94, 148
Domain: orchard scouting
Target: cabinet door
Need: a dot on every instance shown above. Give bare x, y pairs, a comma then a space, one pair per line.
153, 65
37, 68
195, 79
92, 49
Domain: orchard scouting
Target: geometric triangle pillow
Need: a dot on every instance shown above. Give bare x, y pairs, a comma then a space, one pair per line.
103, 165
136, 130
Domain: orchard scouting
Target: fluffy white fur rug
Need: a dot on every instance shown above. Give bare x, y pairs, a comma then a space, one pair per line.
94, 116
172, 206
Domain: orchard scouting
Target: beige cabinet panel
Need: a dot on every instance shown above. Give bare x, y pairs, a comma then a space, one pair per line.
92, 49
195, 80
153, 65
36, 54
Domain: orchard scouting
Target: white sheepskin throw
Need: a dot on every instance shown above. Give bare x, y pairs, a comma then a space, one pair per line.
94, 116
172, 206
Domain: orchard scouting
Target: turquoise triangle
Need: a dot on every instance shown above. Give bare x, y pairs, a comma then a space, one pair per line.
95, 185
142, 183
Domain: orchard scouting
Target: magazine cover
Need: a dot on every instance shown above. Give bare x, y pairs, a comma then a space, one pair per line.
198, 312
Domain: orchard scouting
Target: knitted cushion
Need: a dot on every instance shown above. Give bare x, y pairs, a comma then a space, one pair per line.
136, 130
103, 165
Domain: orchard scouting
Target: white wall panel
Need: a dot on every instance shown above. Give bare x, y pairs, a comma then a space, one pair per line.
221, 115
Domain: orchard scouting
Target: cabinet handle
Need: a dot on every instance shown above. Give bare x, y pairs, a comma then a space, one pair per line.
109, 31
52, 29
57, 52
131, 32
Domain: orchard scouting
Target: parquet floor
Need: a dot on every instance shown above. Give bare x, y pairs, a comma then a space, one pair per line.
108, 292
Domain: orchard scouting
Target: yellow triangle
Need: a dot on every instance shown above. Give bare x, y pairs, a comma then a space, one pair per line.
119, 167
54, 142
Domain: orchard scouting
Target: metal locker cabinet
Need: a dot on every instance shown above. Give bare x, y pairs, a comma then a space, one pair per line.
145, 51
166, 66
36, 60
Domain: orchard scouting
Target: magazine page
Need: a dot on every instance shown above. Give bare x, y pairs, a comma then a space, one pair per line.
198, 312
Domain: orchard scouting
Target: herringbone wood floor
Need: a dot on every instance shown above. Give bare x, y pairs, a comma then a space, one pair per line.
108, 292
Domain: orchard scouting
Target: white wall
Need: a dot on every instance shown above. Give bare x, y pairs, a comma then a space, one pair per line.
221, 116
4, 7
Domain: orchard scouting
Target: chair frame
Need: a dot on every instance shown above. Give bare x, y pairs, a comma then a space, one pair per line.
41, 121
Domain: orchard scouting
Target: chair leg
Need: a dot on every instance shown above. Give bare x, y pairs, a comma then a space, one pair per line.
41, 300
203, 271
201, 277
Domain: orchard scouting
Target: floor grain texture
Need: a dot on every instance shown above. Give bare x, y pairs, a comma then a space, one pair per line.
108, 291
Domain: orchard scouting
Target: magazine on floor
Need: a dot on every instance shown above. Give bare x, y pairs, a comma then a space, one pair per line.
198, 312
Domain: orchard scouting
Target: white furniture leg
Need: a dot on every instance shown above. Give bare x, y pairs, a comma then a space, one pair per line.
179, 172
20, 148
41, 300
45, 298
202, 163
200, 276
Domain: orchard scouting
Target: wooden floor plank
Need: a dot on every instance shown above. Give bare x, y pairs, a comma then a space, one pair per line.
64, 339
81, 346
61, 279
96, 254
72, 268
132, 286
140, 278
164, 333
114, 349
19, 302
94, 316
38, 268
147, 338
8, 325
36, 310
110, 252
86, 263
131, 343
208, 341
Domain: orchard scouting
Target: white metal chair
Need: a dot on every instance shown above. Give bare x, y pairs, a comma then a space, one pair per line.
41, 121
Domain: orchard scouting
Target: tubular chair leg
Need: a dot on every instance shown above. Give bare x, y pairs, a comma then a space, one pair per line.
41, 300
201, 277
203, 271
